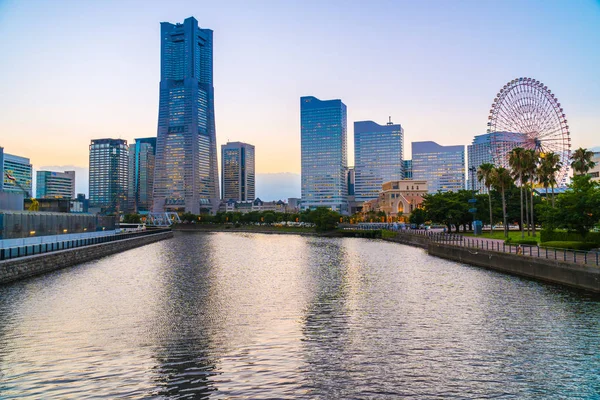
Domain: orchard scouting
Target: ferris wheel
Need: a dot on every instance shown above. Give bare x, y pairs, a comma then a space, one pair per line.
525, 113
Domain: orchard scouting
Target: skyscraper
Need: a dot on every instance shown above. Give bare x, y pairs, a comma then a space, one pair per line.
141, 174
378, 157
237, 171
407, 169
443, 167
324, 158
55, 185
109, 175
186, 171
16, 173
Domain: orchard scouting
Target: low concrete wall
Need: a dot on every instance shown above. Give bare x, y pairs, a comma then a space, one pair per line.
577, 276
411, 240
25, 267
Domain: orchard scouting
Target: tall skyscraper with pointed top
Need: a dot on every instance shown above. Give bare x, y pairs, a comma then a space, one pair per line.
186, 174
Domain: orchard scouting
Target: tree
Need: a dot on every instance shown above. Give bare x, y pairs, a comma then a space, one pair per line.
268, 217
517, 162
579, 208
485, 173
582, 161
324, 219
501, 181
417, 216
549, 165
132, 218
530, 167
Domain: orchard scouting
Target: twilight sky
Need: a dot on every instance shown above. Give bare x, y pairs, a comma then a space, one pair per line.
75, 70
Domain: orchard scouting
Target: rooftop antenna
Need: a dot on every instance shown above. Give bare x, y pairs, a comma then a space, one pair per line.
390, 121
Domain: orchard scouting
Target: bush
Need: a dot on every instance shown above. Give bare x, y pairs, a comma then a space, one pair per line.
564, 236
573, 245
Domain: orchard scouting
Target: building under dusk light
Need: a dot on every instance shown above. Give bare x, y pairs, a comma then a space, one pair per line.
186, 172
443, 167
141, 174
238, 171
109, 175
55, 185
324, 158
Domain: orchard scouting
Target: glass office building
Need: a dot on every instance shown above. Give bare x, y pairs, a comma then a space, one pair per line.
408, 169
323, 154
443, 167
186, 172
16, 174
141, 174
378, 157
238, 171
109, 175
55, 185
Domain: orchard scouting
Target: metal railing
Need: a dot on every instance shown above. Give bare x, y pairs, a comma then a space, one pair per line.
40, 248
549, 253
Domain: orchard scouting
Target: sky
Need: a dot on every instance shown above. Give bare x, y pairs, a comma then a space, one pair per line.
72, 71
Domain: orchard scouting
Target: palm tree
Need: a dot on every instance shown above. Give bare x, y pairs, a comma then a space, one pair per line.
551, 165
501, 180
484, 173
516, 160
532, 161
582, 161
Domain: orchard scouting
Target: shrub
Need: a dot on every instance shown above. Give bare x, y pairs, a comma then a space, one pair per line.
562, 236
573, 245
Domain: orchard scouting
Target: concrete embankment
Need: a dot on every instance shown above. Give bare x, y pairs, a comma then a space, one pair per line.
411, 240
554, 271
25, 267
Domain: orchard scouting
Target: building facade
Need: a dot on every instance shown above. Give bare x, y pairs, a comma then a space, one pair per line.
408, 169
398, 198
238, 175
378, 157
16, 174
142, 155
443, 167
323, 154
595, 172
186, 172
55, 185
109, 175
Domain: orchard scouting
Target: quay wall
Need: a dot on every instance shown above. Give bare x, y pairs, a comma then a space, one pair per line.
554, 271
411, 240
25, 267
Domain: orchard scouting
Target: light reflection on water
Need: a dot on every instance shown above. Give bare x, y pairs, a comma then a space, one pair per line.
281, 316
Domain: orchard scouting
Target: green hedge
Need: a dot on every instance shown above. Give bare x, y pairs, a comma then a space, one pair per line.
562, 236
569, 245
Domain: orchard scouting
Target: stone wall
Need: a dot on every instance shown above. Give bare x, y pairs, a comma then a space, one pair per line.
25, 267
410, 239
555, 271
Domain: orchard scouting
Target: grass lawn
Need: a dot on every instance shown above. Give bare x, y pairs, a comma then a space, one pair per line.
499, 234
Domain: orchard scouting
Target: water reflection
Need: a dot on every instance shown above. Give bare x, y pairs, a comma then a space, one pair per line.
274, 316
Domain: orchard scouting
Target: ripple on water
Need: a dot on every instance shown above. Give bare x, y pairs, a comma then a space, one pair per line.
281, 316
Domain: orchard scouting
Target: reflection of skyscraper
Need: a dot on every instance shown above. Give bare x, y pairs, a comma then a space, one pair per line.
141, 174
109, 163
443, 167
186, 172
237, 171
323, 148
377, 157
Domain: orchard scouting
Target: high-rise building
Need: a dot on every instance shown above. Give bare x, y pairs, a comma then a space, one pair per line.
55, 185
377, 157
186, 172
443, 167
324, 158
237, 171
141, 174
595, 172
351, 181
109, 174
408, 169
16, 174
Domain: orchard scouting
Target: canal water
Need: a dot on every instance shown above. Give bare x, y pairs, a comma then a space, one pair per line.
232, 315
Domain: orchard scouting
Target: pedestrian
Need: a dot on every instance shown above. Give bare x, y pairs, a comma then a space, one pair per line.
519, 250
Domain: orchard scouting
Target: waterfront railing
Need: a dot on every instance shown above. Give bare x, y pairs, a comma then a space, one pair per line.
40, 248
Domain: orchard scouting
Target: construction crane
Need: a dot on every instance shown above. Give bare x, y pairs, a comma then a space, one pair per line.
35, 205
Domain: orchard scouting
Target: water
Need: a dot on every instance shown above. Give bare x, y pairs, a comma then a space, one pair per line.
280, 316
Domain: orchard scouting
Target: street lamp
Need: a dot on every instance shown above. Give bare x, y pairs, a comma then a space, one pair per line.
473, 200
